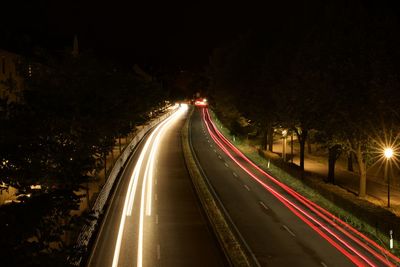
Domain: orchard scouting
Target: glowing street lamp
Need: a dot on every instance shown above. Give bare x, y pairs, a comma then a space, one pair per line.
388, 153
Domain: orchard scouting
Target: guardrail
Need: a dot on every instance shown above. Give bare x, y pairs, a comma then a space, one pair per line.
86, 234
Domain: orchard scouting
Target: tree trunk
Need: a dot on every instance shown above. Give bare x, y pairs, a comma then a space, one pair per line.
270, 138
309, 150
264, 143
334, 153
350, 162
362, 167
302, 148
302, 141
105, 166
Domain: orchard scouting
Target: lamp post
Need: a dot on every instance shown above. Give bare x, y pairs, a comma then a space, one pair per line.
284, 135
388, 153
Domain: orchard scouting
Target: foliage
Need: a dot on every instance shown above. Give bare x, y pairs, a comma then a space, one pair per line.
73, 109
331, 69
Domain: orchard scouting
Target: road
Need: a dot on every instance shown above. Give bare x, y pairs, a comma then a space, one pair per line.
280, 227
154, 217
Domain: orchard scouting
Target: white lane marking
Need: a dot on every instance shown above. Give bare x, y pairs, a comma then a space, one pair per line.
234, 174
263, 205
287, 229
323, 264
156, 218
156, 197
215, 150
208, 140
219, 156
211, 145
158, 252
226, 165
245, 186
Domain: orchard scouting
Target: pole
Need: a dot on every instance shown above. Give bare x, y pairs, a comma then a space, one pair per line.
388, 182
291, 147
388, 177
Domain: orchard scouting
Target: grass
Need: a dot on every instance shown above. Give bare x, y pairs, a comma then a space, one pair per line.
309, 192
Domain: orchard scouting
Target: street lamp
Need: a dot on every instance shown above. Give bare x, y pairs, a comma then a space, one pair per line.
388, 153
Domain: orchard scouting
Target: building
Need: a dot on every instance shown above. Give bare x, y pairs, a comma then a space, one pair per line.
11, 78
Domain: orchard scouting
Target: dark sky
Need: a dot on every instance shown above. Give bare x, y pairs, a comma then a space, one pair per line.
163, 32
180, 35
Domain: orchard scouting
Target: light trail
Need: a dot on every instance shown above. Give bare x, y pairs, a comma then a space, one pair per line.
327, 216
297, 211
309, 204
133, 183
146, 185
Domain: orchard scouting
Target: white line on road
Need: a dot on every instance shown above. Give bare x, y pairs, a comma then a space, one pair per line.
263, 205
234, 174
323, 264
158, 252
219, 156
226, 165
287, 229
211, 145
245, 186
215, 150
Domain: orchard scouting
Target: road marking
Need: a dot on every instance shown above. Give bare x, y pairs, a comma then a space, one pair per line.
245, 186
158, 252
263, 205
234, 174
208, 140
211, 145
323, 264
219, 156
215, 150
226, 165
156, 218
287, 229
155, 196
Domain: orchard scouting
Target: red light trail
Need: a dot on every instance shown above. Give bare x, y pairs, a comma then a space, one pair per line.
320, 214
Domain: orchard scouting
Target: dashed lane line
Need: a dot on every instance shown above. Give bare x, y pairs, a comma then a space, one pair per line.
287, 229
263, 205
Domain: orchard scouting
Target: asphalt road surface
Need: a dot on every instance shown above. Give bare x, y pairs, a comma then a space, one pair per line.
154, 217
278, 226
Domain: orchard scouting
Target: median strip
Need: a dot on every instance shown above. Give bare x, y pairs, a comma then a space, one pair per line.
232, 248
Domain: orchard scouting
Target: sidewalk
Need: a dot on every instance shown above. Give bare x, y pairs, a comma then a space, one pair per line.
317, 164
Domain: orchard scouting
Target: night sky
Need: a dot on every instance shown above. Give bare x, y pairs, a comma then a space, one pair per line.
177, 35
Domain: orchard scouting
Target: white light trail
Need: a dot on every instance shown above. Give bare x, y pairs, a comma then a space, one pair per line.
131, 191
148, 180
